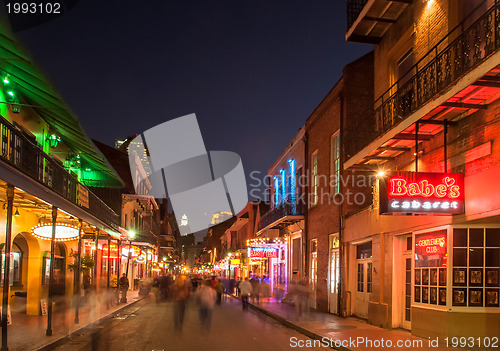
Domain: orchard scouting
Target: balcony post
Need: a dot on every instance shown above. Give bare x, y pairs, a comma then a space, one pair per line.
6, 268
416, 146
78, 273
48, 332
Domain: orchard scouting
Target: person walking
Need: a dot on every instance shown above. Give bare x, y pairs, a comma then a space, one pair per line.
181, 291
123, 284
219, 289
245, 291
256, 288
206, 297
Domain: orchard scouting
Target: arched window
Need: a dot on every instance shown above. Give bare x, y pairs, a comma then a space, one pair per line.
15, 276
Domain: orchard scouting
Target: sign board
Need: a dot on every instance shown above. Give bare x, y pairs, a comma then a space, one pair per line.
264, 252
83, 196
417, 192
64, 232
43, 306
235, 261
431, 249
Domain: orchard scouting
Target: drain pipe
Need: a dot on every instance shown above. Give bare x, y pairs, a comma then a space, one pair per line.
341, 296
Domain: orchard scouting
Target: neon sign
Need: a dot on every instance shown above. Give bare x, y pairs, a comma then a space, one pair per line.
64, 232
411, 192
263, 252
430, 249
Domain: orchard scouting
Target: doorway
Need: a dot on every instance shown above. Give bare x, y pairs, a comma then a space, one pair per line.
334, 281
364, 267
314, 272
406, 284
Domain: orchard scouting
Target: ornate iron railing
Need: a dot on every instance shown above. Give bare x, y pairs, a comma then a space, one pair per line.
354, 8
460, 51
289, 208
20, 151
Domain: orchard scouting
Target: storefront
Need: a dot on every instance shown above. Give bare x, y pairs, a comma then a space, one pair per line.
268, 259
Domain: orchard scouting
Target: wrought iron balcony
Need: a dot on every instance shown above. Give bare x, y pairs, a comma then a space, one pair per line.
286, 214
21, 152
452, 58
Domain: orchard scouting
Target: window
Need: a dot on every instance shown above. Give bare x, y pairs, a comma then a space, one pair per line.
335, 163
315, 178
15, 266
476, 266
369, 277
431, 268
364, 250
360, 276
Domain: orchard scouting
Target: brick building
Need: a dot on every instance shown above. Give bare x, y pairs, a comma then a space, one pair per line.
425, 255
348, 99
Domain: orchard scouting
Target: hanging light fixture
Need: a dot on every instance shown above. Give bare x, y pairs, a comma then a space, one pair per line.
17, 212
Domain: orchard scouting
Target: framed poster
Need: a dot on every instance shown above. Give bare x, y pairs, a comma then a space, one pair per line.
418, 278
46, 270
459, 276
425, 276
417, 294
434, 276
476, 277
476, 297
491, 297
491, 277
442, 276
459, 297
425, 294
434, 295
442, 296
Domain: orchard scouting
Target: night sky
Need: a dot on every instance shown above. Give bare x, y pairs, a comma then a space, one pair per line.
252, 71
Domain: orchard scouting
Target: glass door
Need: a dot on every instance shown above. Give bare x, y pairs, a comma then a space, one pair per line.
334, 281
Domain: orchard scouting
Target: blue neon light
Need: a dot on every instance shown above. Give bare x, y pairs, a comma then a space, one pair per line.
276, 191
291, 162
283, 186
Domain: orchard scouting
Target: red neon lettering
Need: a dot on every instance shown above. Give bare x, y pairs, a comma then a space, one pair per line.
398, 186
440, 190
413, 189
455, 191
427, 189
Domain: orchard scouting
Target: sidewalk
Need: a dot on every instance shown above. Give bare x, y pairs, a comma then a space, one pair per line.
28, 332
342, 333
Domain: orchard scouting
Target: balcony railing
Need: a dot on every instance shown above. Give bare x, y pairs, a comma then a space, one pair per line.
18, 150
286, 209
354, 8
460, 51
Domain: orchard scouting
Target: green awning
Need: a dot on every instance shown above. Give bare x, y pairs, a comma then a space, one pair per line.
34, 89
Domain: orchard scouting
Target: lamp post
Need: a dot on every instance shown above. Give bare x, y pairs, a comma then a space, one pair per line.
130, 236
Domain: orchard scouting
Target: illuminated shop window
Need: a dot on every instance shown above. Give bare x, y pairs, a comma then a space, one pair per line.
476, 265
431, 261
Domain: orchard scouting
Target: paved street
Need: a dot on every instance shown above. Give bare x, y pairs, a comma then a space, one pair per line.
148, 326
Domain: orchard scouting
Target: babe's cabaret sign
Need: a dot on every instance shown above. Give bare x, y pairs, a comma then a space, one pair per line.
264, 252
413, 192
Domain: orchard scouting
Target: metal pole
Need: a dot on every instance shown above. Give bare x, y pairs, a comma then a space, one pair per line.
6, 268
118, 272
51, 274
96, 241
109, 260
416, 147
78, 272
445, 133
341, 297
128, 256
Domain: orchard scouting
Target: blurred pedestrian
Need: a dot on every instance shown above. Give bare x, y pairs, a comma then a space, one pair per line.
206, 297
302, 297
181, 291
123, 283
219, 289
256, 288
87, 285
155, 288
245, 288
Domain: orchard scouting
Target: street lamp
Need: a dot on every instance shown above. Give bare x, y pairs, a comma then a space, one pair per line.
130, 236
